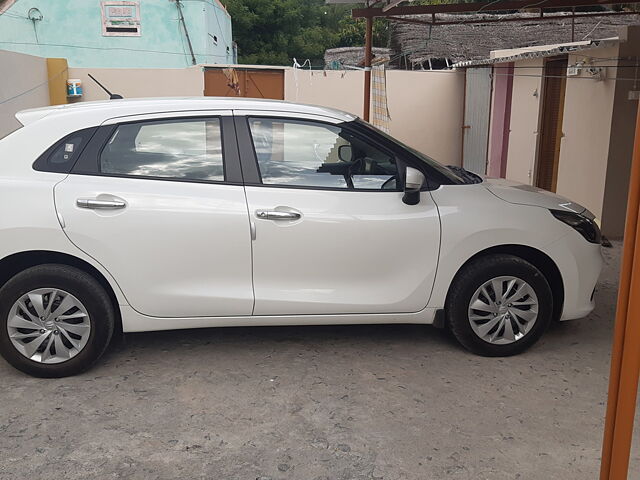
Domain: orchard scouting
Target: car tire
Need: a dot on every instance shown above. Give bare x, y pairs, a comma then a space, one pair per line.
80, 334
500, 326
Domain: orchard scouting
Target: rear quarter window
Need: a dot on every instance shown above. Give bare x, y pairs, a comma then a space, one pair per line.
62, 155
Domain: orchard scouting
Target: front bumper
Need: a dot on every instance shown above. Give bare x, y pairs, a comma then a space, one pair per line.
580, 264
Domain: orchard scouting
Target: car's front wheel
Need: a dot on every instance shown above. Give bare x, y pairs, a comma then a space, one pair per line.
55, 320
499, 305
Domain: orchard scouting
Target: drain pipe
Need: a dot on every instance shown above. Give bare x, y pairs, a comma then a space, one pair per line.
186, 32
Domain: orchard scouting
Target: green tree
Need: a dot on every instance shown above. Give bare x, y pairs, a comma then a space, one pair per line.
275, 31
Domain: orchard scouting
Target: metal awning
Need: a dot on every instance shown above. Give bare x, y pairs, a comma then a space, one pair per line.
539, 52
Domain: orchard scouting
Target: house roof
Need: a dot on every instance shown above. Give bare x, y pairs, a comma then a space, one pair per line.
350, 56
465, 42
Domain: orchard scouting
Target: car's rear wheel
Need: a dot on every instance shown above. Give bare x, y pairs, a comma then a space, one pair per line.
55, 320
499, 305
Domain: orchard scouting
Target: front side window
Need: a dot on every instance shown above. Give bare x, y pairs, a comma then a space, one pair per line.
313, 154
177, 149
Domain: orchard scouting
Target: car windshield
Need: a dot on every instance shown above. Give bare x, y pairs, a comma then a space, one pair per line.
446, 171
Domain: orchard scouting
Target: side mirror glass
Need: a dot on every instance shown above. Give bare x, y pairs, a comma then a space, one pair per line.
413, 182
345, 153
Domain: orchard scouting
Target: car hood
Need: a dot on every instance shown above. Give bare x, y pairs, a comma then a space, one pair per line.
521, 194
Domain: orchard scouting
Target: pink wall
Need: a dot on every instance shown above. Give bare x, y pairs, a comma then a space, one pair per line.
500, 121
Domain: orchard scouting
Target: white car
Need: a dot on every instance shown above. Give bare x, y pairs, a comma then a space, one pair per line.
159, 214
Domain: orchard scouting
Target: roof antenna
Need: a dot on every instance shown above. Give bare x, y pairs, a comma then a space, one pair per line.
112, 96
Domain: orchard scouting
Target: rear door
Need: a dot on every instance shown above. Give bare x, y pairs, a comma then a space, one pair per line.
159, 202
332, 234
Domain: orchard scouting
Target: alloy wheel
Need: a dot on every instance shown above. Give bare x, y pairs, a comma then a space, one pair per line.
503, 310
48, 325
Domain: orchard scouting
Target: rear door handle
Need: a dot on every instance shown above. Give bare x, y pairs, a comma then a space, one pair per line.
277, 215
95, 204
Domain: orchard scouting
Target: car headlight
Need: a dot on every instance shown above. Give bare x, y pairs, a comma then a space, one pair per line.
587, 227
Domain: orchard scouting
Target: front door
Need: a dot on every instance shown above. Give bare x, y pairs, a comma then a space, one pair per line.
157, 208
332, 235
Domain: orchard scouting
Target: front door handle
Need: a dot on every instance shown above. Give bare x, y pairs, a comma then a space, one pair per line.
95, 204
277, 215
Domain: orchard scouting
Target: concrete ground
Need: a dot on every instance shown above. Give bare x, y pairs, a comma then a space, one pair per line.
361, 402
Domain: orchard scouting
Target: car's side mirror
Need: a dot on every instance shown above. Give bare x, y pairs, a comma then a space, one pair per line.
345, 153
413, 181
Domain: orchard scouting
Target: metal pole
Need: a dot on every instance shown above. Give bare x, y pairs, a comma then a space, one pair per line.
367, 68
186, 32
625, 354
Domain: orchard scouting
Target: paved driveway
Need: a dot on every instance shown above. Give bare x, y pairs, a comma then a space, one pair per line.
362, 402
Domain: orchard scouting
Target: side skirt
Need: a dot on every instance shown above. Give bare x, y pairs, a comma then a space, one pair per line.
133, 321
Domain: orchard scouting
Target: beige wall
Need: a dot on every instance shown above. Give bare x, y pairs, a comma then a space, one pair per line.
20, 74
425, 107
523, 138
141, 82
621, 139
588, 108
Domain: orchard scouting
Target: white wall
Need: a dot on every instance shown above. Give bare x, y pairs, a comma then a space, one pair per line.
586, 125
23, 84
426, 107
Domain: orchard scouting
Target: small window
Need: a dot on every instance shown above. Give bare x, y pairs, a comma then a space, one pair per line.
177, 149
120, 19
61, 157
313, 154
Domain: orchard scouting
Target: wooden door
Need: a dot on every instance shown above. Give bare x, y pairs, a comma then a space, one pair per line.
553, 90
251, 83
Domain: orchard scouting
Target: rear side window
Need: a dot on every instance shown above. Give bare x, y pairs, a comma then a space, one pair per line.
177, 149
62, 156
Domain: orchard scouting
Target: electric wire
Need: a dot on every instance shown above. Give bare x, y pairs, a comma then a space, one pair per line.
34, 87
107, 48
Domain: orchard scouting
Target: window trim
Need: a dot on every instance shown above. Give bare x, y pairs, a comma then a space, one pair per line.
251, 167
88, 162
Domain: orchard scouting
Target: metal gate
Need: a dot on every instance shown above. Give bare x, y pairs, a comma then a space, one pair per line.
476, 119
244, 82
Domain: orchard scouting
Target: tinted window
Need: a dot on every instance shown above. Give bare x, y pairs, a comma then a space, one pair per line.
181, 149
61, 157
313, 154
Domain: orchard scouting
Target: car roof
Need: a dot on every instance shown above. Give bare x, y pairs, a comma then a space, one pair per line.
140, 106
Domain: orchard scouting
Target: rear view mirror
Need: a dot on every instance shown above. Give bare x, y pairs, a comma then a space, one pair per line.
413, 181
345, 153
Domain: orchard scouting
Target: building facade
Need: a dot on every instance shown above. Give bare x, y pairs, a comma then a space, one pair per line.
121, 34
560, 117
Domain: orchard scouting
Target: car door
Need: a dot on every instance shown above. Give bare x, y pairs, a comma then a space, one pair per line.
332, 234
159, 202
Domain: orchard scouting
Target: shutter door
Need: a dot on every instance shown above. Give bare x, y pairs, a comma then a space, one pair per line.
476, 119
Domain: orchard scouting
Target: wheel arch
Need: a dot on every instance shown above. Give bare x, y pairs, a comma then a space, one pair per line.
537, 258
17, 262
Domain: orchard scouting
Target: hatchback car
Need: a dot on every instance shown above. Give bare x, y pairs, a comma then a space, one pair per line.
157, 214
